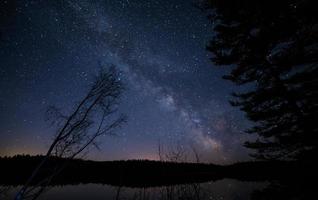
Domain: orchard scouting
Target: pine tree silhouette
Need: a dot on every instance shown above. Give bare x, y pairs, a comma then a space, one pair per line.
273, 47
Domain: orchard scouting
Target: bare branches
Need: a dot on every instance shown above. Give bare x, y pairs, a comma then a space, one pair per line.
195, 152
176, 152
95, 115
91, 118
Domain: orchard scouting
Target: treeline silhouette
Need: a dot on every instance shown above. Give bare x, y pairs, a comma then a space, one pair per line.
145, 173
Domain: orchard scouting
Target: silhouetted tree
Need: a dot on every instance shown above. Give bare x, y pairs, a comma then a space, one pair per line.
272, 47
94, 116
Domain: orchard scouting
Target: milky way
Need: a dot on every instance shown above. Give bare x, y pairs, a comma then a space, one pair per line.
50, 49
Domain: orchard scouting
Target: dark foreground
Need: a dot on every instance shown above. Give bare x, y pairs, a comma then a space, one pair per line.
143, 179
144, 173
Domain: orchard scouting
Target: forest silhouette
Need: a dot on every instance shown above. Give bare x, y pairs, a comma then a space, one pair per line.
146, 173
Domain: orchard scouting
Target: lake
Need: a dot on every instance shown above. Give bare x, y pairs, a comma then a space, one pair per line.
225, 189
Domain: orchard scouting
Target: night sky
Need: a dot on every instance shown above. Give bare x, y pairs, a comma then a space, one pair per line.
49, 51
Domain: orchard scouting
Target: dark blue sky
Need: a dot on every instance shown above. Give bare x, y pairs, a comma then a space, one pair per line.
50, 49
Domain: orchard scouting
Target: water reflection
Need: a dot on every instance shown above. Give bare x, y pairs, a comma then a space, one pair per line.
226, 189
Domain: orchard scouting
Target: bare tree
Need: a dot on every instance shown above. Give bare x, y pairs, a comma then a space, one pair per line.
196, 153
160, 151
177, 152
94, 116
174, 153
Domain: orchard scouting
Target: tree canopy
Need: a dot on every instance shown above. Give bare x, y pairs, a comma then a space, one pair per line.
274, 46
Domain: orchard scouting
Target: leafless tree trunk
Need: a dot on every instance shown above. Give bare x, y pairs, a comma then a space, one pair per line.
95, 115
196, 153
160, 151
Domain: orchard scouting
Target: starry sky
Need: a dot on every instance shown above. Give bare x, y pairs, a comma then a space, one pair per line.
49, 51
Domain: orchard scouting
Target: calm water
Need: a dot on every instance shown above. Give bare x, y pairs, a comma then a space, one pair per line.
226, 189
